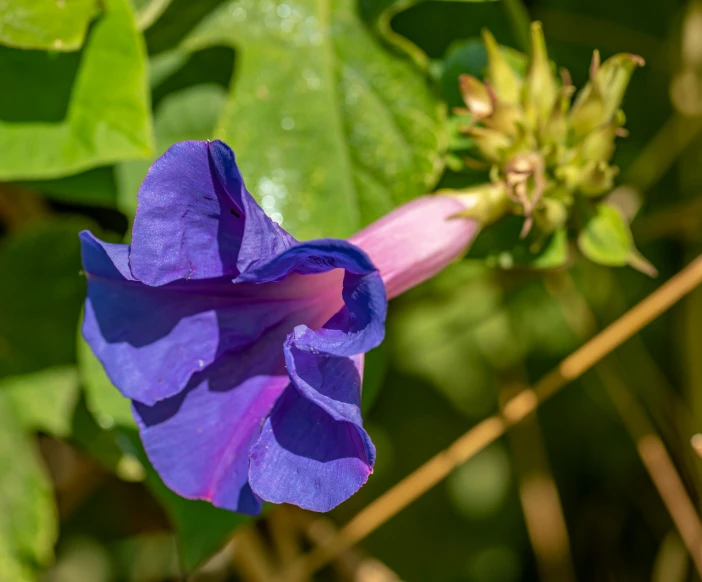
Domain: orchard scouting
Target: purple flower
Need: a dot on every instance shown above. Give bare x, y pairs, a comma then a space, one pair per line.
242, 348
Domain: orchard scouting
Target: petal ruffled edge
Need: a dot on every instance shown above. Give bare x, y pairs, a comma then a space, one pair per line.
149, 341
196, 220
313, 450
360, 325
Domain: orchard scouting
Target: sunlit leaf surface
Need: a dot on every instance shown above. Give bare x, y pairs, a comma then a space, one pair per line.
331, 130
81, 109
58, 25
28, 526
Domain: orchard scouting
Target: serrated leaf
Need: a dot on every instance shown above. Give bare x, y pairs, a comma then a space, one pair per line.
331, 130
41, 291
183, 115
45, 24
106, 115
43, 401
28, 527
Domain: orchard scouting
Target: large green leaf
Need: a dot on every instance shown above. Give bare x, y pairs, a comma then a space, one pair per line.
45, 24
28, 526
330, 129
43, 401
41, 292
186, 114
106, 115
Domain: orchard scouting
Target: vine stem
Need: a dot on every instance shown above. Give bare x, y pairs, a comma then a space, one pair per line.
490, 429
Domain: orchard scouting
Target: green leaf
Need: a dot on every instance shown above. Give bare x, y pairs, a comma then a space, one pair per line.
45, 24
606, 239
183, 115
105, 117
95, 187
149, 11
331, 130
28, 527
104, 401
41, 291
501, 245
201, 529
43, 401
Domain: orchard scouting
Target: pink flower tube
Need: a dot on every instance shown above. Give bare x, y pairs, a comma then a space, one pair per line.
417, 240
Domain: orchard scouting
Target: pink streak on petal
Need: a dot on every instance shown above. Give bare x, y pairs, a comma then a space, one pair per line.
416, 241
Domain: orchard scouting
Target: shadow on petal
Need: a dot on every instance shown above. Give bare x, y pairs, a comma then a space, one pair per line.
199, 440
308, 454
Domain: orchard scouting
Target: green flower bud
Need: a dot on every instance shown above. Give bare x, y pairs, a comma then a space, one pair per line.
491, 143
475, 96
540, 86
555, 131
600, 99
506, 118
507, 85
597, 178
598, 145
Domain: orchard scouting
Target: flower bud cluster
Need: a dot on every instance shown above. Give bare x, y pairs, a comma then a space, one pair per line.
544, 145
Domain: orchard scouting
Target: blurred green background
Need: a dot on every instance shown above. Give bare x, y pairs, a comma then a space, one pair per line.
337, 111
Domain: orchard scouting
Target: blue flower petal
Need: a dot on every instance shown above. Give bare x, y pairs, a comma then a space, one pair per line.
313, 450
151, 340
191, 322
195, 219
199, 440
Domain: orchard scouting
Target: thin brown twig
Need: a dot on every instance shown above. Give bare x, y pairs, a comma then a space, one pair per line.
657, 461
652, 451
487, 431
251, 556
541, 505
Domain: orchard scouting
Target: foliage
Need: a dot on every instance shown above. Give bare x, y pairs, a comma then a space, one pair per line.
339, 111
